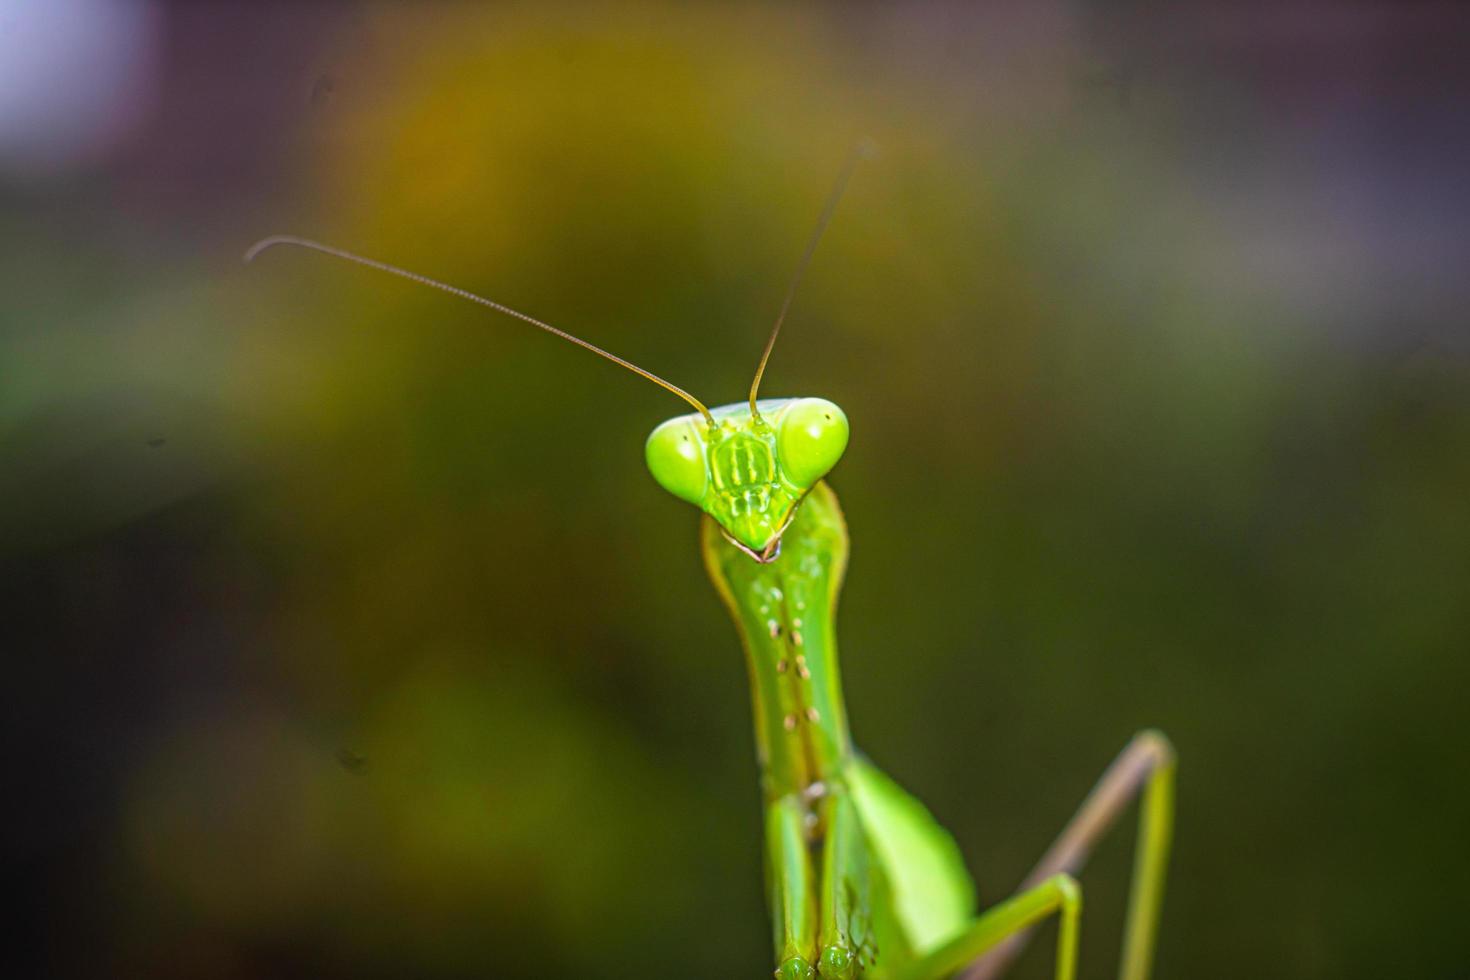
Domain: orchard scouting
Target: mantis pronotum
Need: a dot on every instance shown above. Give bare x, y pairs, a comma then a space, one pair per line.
861, 880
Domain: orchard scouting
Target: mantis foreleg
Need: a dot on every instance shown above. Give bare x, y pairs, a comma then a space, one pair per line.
1146, 764
791, 885
846, 936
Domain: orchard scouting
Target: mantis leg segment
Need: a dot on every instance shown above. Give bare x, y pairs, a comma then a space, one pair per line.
793, 892
1146, 764
845, 938
1017, 915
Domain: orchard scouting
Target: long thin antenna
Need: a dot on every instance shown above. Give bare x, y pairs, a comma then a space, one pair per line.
863, 150
274, 240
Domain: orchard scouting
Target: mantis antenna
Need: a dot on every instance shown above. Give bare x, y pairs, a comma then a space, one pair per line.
275, 240
862, 151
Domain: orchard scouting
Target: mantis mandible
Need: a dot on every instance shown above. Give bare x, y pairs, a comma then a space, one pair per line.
861, 880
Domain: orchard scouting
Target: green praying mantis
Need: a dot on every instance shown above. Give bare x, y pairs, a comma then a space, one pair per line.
861, 880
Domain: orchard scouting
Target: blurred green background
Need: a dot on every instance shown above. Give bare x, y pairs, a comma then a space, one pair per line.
346, 634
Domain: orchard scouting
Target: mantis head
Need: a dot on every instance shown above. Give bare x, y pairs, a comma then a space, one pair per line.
749, 470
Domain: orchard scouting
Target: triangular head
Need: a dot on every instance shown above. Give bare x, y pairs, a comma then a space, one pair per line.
749, 470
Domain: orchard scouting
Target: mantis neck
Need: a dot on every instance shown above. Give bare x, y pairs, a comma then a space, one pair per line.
784, 611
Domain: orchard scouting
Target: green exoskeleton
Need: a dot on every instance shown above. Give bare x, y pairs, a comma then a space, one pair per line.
862, 881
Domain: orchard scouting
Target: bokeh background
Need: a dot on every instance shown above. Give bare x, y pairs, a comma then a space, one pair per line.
345, 634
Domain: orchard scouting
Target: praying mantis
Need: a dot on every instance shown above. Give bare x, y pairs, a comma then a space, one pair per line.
861, 880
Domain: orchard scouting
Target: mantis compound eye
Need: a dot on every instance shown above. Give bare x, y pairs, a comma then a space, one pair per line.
675, 456
811, 440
